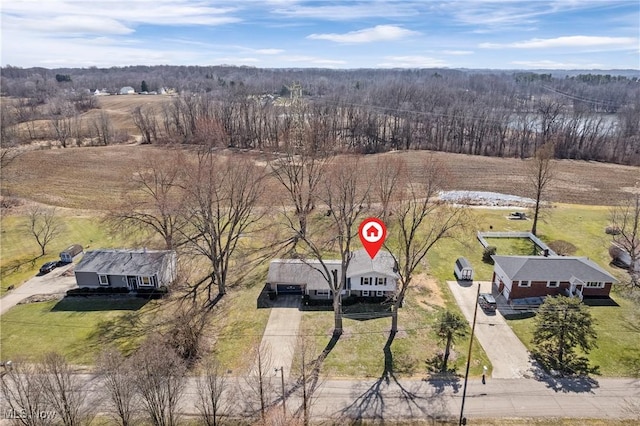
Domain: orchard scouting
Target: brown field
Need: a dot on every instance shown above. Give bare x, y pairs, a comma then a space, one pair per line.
95, 177
119, 108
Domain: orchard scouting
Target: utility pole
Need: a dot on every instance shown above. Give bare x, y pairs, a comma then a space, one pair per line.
463, 420
284, 407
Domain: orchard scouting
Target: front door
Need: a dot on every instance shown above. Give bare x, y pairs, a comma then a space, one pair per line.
132, 282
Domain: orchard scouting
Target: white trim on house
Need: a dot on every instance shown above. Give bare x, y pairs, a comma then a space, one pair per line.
553, 284
524, 283
594, 284
103, 279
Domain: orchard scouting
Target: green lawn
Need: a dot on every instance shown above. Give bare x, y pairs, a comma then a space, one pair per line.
618, 330
20, 255
239, 325
74, 327
360, 350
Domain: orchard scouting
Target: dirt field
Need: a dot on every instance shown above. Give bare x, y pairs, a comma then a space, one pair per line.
95, 177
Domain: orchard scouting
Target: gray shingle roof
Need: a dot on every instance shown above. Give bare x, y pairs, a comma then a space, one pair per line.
297, 271
382, 264
125, 262
311, 273
552, 268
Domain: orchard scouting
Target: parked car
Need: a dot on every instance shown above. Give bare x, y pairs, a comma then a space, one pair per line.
48, 267
487, 302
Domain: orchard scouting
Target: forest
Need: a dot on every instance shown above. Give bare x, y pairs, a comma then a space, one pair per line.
586, 115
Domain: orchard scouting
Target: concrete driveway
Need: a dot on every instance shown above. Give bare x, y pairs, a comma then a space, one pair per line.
52, 283
509, 357
281, 333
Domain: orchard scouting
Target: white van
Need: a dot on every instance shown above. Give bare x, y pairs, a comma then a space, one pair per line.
463, 269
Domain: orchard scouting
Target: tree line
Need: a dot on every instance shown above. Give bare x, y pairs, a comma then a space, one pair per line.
589, 116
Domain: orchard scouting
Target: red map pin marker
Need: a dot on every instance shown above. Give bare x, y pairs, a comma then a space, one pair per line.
372, 233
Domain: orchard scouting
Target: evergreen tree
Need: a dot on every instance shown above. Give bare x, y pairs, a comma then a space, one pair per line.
563, 325
450, 326
144, 87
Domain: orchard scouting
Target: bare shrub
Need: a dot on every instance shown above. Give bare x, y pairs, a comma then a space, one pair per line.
117, 375
160, 380
563, 248
210, 388
63, 391
23, 393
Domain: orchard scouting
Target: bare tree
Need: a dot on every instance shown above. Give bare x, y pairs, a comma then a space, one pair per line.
44, 224
63, 391
160, 380
103, 128
222, 207
345, 193
23, 393
300, 174
421, 221
389, 176
307, 368
540, 173
259, 380
117, 375
211, 387
145, 120
625, 220
158, 205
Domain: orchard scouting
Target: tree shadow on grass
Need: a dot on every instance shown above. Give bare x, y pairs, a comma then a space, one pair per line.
16, 266
387, 397
99, 303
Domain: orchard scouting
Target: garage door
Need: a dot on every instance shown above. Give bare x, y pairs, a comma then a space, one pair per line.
289, 288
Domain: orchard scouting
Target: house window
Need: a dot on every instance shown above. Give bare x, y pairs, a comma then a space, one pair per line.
553, 284
104, 280
322, 292
145, 281
365, 292
381, 281
379, 293
366, 281
595, 284
524, 283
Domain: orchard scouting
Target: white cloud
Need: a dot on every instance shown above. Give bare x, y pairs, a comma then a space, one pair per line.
567, 41
268, 51
353, 11
68, 25
546, 64
458, 52
412, 62
313, 60
367, 35
154, 12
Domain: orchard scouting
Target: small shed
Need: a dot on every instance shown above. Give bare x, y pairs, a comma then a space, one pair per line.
463, 269
70, 252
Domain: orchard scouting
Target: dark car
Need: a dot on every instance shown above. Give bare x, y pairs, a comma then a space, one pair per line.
48, 267
487, 302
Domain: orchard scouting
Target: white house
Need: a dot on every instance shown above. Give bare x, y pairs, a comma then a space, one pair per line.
366, 277
127, 90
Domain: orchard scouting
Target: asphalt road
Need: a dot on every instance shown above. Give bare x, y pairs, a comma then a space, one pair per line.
382, 399
509, 357
52, 283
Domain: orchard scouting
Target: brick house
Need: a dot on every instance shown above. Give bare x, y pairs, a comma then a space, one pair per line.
518, 277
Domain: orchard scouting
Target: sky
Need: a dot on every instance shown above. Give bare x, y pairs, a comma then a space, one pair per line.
489, 34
